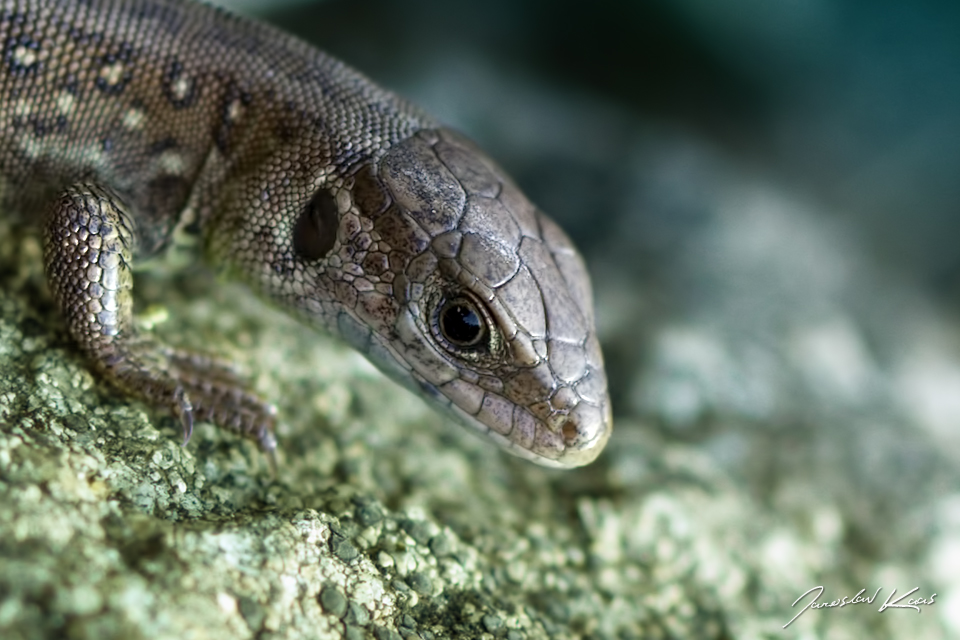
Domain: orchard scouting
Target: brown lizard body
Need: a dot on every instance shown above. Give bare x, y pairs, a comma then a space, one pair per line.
129, 124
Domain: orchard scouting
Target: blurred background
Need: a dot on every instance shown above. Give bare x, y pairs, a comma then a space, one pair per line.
625, 120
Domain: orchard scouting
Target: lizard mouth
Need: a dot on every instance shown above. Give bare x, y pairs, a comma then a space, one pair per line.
568, 440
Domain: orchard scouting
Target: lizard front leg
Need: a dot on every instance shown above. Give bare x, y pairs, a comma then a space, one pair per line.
89, 241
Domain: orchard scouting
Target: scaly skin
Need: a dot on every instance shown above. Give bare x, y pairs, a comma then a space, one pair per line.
132, 126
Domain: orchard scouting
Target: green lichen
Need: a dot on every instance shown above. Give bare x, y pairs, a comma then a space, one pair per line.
382, 521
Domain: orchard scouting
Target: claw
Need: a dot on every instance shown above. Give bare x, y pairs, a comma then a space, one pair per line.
186, 421
268, 443
184, 411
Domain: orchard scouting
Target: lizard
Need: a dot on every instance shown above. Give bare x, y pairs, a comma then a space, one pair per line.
130, 128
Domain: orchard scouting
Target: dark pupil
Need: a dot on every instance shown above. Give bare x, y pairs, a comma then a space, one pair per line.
461, 324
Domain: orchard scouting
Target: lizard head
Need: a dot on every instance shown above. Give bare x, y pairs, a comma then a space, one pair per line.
449, 280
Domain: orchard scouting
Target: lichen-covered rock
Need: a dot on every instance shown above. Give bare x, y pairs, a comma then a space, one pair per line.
754, 461
786, 417
381, 519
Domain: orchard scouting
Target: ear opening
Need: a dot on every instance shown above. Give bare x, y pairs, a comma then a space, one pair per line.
316, 229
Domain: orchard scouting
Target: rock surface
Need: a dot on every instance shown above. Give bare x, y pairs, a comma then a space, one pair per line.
786, 417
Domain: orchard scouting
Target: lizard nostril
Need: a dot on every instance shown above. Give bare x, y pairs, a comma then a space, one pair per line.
569, 431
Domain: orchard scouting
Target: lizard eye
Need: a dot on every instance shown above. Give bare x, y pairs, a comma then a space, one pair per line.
463, 323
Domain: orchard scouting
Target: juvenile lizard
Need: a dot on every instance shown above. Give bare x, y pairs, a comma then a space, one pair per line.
130, 125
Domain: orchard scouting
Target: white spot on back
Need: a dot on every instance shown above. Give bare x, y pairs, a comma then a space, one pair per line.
24, 56
133, 119
65, 102
180, 89
171, 162
234, 111
112, 74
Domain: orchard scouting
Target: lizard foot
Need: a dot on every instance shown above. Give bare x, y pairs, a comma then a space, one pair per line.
89, 242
